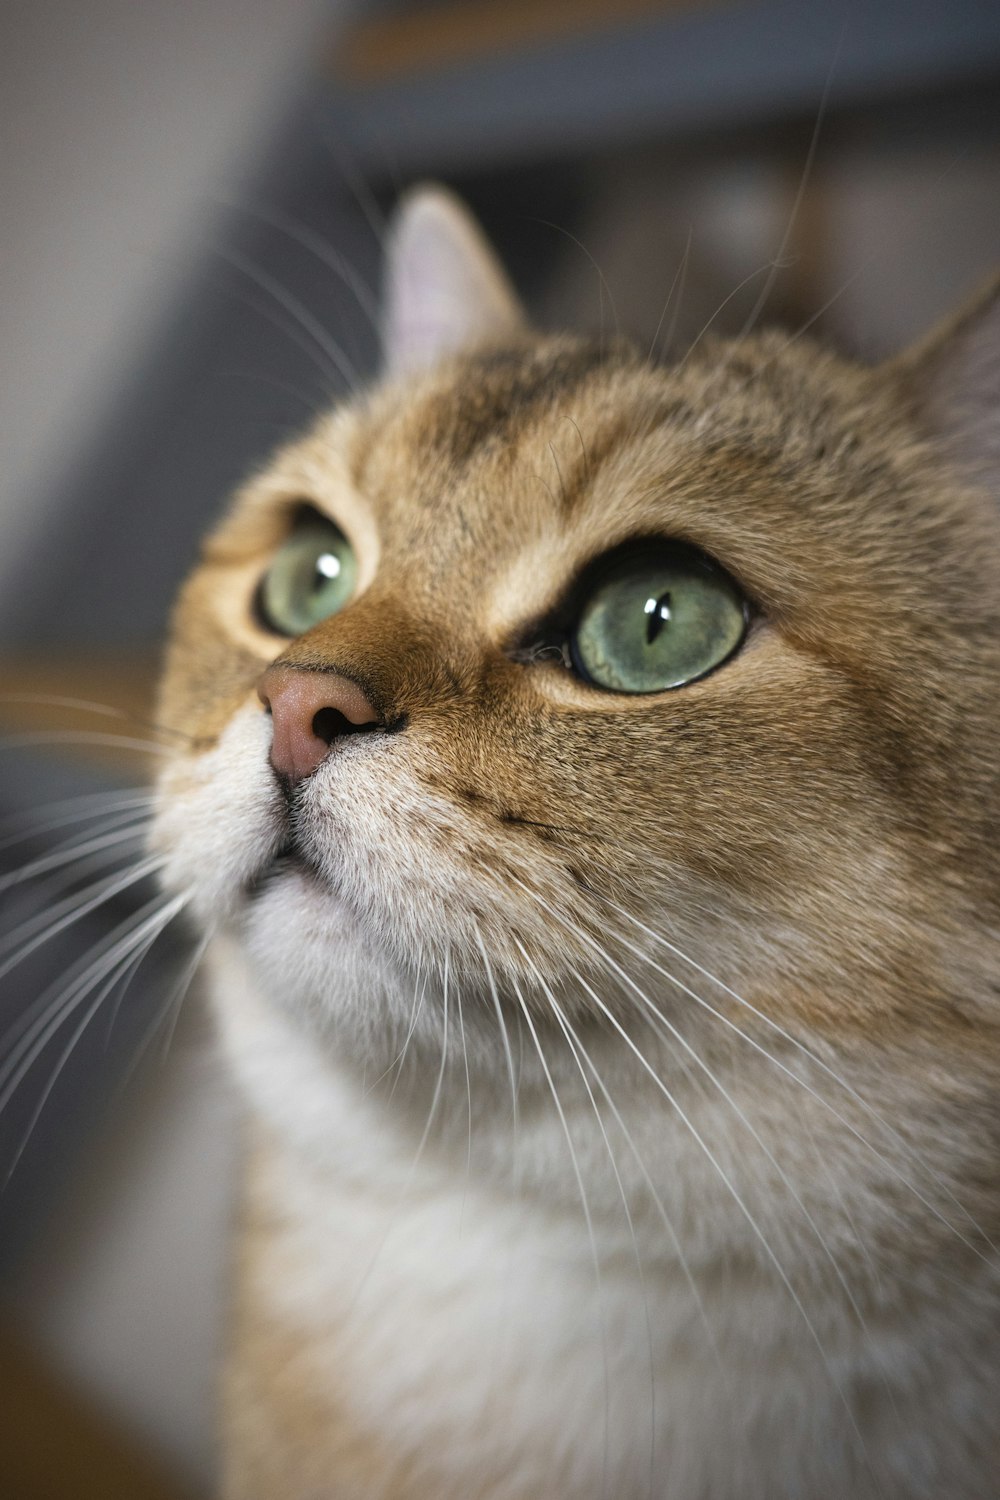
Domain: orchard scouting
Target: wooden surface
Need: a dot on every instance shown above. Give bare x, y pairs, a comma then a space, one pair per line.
97, 710
463, 86
456, 31
53, 1446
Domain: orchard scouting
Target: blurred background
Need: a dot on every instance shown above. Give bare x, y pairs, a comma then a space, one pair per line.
193, 195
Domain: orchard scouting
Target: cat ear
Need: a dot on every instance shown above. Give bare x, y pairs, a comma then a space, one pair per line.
952, 383
445, 289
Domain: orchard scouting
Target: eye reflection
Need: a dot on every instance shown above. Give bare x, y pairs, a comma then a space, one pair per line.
658, 613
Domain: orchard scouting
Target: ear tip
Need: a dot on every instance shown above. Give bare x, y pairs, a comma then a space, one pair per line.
445, 290
426, 204
950, 383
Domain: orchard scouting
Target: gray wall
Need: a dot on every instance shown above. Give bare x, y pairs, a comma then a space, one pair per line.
121, 126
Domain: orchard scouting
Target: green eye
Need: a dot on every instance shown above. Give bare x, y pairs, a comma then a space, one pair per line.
657, 619
312, 576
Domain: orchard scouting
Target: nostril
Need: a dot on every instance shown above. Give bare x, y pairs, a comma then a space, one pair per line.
311, 712
329, 724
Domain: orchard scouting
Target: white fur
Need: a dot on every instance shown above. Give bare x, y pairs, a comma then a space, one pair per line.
470, 1326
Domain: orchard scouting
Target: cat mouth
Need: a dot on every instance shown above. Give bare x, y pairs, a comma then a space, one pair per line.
288, 859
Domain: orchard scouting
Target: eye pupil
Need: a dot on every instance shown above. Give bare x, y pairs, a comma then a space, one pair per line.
657, 615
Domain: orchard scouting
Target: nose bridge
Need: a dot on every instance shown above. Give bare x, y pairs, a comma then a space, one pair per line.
392, 649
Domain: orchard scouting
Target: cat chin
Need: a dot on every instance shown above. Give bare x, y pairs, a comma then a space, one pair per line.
310, 954
221, 827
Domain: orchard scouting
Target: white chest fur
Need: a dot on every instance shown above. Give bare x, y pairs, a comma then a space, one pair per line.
481, 1335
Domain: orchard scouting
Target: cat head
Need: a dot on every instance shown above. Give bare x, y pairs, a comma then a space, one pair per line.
539, 665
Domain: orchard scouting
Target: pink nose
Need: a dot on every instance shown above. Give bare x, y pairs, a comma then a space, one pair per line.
310, 710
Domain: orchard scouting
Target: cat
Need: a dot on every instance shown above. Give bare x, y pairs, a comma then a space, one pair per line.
591, 808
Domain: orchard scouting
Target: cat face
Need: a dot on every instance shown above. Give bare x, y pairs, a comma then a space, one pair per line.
808, 812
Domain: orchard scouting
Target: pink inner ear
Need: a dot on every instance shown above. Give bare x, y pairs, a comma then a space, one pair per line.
445, 289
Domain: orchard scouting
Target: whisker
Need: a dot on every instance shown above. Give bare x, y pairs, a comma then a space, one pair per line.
576, 1048
583, 447
468, 1095
95, 805
330, 382
585, 1204
704, 1147
316, 245
835, 1077
803, 327
545, 486
559, 473
51, 895
804, 180
605, 290
845, 285
837, 1195
88, 705
746, 280
74, 909
76, 849
356, 182
103, 945
397, 1061
675, 1241
338, 362
419, 996
514, 1080
505, 1042
80, 737
890, 1166
142, 940
680, 276
737, 1111
172, 1010
120, 944
175, 1004
436, 1099
404, 1188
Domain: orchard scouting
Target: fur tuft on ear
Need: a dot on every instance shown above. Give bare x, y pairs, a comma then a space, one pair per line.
951, 381
445, 290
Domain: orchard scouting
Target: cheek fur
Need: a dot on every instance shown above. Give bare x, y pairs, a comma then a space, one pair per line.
419, 868
219, 817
